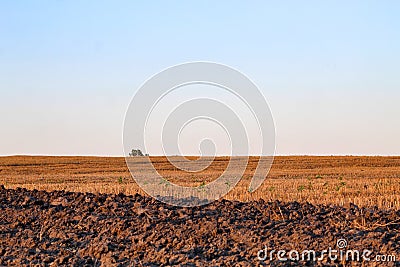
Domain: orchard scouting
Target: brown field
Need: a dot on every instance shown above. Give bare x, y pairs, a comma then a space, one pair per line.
341, 180
60, 228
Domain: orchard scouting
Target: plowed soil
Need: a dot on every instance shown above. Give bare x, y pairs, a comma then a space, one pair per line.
39, 228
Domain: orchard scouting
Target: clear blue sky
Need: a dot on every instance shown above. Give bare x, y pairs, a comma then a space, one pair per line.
329, 69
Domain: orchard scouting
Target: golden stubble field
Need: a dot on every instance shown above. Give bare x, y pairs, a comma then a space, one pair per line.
364, 181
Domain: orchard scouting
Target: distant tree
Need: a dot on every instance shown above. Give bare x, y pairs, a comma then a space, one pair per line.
136, 153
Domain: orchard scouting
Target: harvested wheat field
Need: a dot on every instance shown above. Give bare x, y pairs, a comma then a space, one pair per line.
340, 180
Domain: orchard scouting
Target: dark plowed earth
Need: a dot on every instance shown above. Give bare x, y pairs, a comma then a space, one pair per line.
62, 228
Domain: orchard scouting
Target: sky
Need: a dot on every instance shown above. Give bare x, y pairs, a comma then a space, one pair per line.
328, 69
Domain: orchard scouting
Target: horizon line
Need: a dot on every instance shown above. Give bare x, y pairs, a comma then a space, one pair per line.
278, 155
